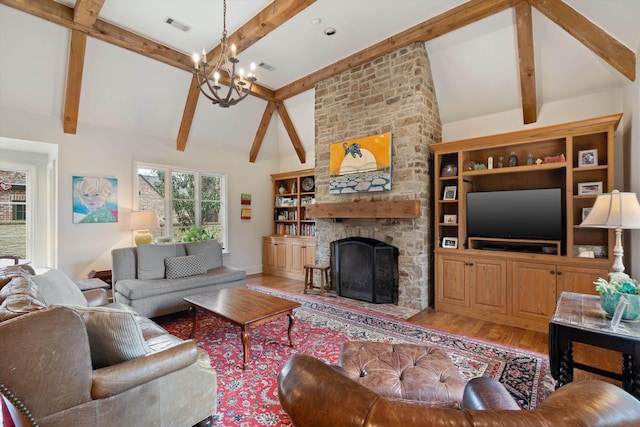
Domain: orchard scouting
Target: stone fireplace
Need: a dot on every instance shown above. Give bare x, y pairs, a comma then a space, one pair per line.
393, 93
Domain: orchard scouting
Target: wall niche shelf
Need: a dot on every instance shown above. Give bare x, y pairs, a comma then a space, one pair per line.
510, 281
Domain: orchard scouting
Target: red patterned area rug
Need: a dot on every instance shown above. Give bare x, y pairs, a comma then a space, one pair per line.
249, 398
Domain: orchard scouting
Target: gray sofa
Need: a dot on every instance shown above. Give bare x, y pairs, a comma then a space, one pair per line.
153, 279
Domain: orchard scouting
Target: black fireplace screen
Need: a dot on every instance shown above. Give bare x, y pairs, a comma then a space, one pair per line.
365, 269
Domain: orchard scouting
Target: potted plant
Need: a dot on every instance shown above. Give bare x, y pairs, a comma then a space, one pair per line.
197, 234
620, 287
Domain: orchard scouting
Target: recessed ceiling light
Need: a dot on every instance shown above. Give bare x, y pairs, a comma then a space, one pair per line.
330, 31
316, 21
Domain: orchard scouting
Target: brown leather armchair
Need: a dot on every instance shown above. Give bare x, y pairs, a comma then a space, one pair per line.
315, 394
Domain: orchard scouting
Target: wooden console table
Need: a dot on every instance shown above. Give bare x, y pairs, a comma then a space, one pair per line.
579, 318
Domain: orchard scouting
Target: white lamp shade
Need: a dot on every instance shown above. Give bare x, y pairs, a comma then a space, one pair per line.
143, 220
614, 210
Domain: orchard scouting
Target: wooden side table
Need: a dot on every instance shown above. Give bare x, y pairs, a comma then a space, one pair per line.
88, 284
579, 318
104, 275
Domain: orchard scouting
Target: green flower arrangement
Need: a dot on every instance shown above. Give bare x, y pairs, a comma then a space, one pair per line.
616, 288
197, 234
615, 285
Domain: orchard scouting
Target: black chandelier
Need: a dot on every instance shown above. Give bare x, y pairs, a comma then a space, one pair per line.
239, 86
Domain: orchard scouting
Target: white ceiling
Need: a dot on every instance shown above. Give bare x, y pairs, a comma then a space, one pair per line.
475, 68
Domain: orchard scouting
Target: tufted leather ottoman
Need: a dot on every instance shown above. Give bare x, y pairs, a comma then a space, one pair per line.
406, 371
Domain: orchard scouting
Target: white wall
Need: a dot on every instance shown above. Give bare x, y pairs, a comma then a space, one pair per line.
107, 152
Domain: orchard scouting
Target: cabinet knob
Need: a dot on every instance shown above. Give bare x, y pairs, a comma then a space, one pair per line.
552, 272
470, 264
559, 273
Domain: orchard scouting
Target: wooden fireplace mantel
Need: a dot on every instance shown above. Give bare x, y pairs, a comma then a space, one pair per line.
375, 209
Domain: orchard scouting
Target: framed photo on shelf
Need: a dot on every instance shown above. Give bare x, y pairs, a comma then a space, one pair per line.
585, 213
451, 219
588, 188
450, 242
450, 192
587, 158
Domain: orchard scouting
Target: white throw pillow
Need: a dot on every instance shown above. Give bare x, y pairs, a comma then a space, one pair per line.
55, 287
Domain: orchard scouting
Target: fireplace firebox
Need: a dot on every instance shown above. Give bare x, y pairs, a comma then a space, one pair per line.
365, 269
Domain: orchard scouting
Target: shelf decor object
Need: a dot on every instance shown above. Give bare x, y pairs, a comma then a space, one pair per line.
618, 211
141, 222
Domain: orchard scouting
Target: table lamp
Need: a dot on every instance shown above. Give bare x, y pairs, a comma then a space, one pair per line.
618, 211
141, 222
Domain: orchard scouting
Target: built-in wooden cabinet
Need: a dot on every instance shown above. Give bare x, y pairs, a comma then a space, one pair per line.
516, 286
286, 256
292, 244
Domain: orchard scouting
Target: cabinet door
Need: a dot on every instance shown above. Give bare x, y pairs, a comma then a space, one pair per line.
301, 253
275, 255
534, 290
488, 284
578, 279
451, 281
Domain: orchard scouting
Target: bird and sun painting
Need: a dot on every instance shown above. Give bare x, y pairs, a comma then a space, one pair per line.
360, 165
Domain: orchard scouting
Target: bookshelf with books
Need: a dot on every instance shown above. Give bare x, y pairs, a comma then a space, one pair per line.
292, 243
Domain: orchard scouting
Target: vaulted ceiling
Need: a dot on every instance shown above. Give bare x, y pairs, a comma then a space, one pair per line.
117, 64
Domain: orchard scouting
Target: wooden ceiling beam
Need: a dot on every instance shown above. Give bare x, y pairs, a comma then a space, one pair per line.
586, 32
291, 131
85, 12
453, 19
74, 81
524, 28
262, 130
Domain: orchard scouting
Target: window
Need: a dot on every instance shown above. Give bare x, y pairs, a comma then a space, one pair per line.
188, 199
13, 212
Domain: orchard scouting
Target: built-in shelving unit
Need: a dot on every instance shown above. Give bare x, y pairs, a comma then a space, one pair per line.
519, 284
292, 243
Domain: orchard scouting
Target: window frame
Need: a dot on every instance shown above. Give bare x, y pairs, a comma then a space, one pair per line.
167, 230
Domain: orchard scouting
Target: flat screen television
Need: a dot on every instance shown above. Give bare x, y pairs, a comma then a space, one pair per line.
516, 214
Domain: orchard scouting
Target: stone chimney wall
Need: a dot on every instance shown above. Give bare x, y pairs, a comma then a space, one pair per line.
393, 93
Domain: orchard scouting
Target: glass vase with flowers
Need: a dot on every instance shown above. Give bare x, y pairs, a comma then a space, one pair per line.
613, 290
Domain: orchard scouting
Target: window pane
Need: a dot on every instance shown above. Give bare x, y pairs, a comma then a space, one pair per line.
210, 186
183, 204
13, 213
151, 195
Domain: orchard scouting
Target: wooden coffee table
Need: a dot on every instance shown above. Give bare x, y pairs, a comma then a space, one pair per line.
242, 307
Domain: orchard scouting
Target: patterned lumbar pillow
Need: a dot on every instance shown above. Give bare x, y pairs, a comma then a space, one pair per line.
114, 335
184, 266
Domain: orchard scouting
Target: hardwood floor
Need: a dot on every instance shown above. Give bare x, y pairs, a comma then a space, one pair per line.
504, 334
